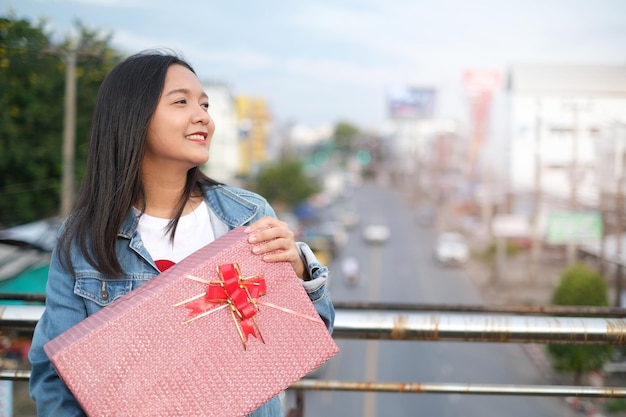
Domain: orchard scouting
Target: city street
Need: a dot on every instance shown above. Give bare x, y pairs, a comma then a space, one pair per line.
403, 270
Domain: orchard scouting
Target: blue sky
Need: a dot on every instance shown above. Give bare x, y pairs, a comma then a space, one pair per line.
321, 61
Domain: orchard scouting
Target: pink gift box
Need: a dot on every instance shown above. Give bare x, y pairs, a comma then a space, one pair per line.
142, 356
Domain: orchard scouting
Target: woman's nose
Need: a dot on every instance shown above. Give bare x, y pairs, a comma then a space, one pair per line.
202, 116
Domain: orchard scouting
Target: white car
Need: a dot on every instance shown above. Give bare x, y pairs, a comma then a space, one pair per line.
376, 233
452, 249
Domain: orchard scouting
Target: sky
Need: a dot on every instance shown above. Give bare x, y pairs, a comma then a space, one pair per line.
324, 61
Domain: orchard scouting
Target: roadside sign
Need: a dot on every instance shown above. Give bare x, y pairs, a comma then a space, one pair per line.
574, 227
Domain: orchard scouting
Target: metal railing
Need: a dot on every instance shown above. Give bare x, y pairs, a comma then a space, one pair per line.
461, 323
467, 323
460, 327
497, 324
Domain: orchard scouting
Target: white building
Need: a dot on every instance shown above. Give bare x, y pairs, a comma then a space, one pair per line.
559, 115
224, 153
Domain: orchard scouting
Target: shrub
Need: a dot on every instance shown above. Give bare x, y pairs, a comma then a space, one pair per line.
580, 286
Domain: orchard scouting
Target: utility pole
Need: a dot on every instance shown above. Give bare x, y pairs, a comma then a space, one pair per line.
574, 178
619, 212
70, 55
69, 133
618, 238
603, 213
535, 253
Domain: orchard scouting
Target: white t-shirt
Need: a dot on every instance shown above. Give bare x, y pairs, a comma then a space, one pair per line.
193, 232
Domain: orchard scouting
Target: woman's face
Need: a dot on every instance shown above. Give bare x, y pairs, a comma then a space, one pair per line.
180, 130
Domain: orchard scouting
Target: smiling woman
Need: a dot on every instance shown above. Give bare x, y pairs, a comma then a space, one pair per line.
144, 206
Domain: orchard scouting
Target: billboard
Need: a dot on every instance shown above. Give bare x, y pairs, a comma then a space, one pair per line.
406, 102
481, 86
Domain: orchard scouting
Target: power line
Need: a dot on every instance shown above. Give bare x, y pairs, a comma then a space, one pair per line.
27, 187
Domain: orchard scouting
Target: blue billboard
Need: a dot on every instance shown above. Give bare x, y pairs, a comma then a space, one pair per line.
406, 102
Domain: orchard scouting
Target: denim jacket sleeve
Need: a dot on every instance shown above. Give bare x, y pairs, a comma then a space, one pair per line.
63, 310
316, 286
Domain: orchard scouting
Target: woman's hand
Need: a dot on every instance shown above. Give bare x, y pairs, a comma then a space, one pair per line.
275, 242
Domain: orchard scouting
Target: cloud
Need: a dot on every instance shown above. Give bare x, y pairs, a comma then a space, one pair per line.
334, 50
108, 3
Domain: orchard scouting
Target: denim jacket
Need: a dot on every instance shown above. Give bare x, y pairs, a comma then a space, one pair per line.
70, 299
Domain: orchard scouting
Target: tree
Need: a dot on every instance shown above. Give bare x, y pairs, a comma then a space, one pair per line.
30, 112
32, 81
580, 286
284, 183
345, 136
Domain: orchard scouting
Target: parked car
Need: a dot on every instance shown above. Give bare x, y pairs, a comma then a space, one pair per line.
452, 249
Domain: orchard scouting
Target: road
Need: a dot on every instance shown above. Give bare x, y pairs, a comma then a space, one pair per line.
402, 270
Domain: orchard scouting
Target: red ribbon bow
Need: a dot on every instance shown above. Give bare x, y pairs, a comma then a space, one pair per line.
241, 294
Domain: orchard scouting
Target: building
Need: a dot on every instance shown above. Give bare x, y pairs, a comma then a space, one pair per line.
224, 153
254, 130
563, 129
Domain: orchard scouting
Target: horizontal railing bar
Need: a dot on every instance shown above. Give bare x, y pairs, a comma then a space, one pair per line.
15, 375
21, 317
578, 311
22, 296
478, 328
552, 310
454, 388
422, 387
499, 328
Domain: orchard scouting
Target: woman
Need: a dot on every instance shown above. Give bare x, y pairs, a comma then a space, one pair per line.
144, 205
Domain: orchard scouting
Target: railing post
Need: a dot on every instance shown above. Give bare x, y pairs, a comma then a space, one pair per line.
298, 410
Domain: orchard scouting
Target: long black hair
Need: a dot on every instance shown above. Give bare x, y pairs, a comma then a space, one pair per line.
126, 101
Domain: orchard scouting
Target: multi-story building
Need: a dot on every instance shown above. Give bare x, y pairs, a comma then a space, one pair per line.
254, 129
562, 137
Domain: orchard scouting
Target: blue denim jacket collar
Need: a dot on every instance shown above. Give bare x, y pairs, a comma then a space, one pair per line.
230, 205
227, 209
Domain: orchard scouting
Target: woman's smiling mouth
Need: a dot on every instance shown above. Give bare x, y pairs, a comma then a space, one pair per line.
198, 136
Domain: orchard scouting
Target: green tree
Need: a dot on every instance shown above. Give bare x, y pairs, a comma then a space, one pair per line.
32, 81
345, 137
284, 183
580, 286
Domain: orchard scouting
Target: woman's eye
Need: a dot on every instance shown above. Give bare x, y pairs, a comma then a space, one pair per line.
206, 106
181, 101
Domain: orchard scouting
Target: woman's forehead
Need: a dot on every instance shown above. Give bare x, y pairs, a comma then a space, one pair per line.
180, 79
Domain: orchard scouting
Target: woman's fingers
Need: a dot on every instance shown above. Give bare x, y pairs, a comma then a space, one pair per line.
275, 242
268, 229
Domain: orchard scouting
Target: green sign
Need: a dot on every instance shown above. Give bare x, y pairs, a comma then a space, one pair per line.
574, 227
